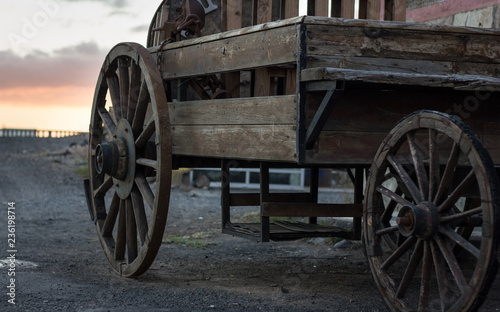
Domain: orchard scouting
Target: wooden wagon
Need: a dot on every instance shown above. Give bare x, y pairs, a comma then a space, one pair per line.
411, 110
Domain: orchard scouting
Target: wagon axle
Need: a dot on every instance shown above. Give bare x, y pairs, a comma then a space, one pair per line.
421, 220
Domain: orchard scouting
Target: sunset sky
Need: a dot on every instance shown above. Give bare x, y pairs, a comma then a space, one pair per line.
51, 52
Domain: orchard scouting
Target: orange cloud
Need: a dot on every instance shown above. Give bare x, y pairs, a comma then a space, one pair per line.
48, 96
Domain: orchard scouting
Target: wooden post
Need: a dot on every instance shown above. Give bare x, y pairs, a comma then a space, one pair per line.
232, 19
225, 193
264, 197
313, 191
358, 199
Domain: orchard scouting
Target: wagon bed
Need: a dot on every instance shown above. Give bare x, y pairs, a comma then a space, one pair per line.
398, 64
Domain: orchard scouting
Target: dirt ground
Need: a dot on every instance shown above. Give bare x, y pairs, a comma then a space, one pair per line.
61, 267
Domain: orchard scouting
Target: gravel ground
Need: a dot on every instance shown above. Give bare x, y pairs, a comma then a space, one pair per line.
61, 267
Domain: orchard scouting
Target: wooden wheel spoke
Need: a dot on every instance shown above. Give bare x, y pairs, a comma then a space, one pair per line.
131, 232
448, 174
457, 193
394, 196
121, 233
453, 265
461, 215
140, 215
114, 93
398, 253
109, 223
134, 90
141, 109
439, 267
124, 79
417, 156
405, 178
434, 171
146, 192
423, 302
145, 135
411, 268
104, 187
147, 162
386, 230
109, 124
459, 240
389, 210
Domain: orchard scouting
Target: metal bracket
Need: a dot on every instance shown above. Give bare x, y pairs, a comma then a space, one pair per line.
333, 91
210, 6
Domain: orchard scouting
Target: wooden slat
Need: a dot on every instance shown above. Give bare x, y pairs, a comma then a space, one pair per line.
311, 210
253, 199
373, 9
395, 10
262, 75
290, 8
276, 46
347, 9
401, 44
264, 12
321, 8
232, 19
460, 82
277, 110
256, 142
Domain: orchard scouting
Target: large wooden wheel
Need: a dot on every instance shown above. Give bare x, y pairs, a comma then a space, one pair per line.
430, 221
130, 146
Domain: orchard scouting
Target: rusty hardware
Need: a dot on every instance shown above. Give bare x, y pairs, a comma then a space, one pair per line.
191, 20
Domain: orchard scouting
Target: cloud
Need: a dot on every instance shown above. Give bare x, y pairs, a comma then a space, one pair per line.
140, 29
113, 3
75, 66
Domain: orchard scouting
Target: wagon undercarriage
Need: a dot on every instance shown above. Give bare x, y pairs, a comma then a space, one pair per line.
375, 98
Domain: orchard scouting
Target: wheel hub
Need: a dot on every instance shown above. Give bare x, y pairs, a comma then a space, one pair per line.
117, 159
421, 221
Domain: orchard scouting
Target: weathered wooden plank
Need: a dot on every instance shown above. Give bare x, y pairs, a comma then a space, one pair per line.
388, 25
303, 210
401, 44
460, 82
277, 110
277, 46
404, 66
255, 142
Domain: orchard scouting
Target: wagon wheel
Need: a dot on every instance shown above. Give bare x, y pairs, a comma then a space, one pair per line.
129, 146
430, 223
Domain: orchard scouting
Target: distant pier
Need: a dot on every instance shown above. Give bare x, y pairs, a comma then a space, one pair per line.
34, 133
